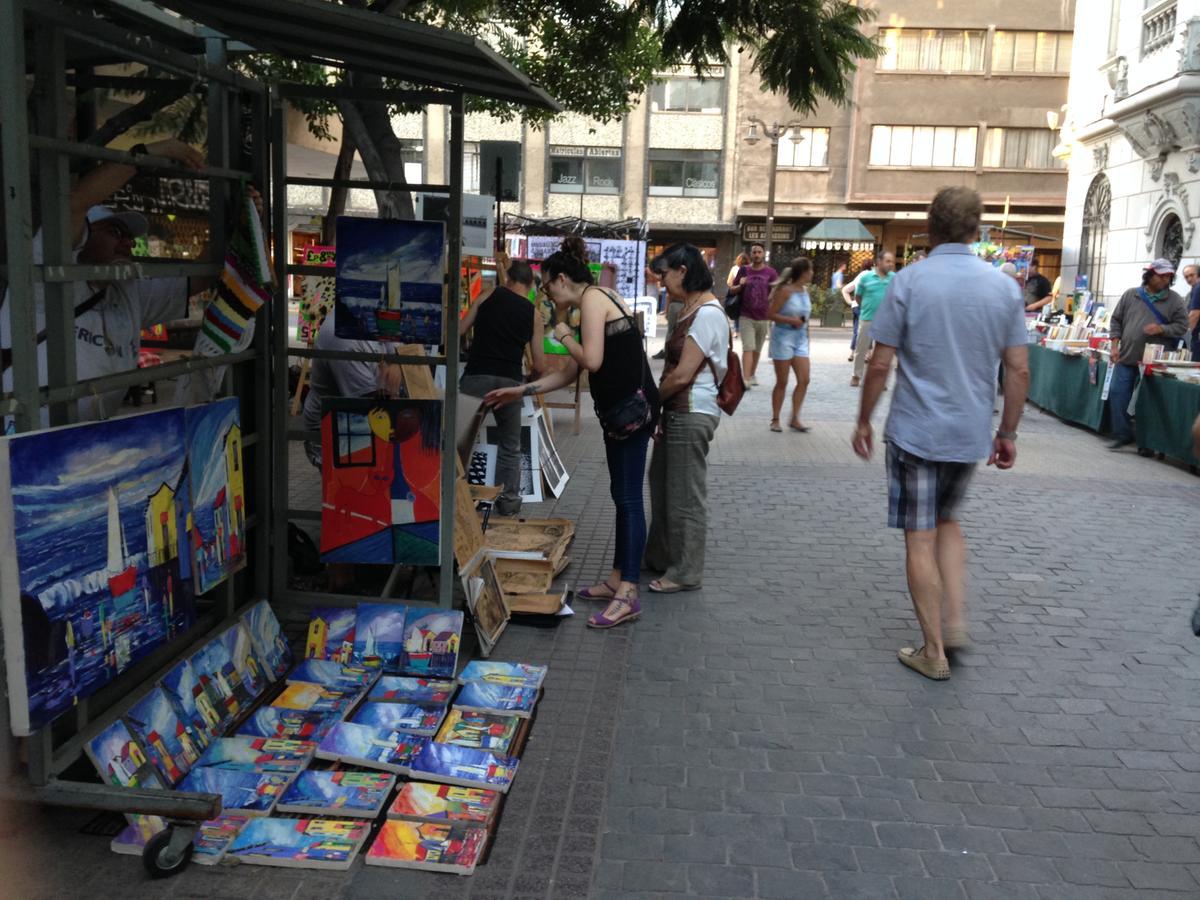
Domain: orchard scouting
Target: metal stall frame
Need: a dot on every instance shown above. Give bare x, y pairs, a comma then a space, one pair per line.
53, 23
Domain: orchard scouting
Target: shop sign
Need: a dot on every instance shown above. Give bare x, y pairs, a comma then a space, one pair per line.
318, 255
757, 231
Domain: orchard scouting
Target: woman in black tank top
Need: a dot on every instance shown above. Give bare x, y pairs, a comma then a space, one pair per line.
610, 348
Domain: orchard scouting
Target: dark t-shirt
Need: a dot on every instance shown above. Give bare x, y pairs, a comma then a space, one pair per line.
503, 326
1037, 287
756, 292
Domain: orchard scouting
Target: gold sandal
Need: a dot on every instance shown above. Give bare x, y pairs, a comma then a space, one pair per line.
937, 669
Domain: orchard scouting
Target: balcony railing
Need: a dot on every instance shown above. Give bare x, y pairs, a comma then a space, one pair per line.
1158, 27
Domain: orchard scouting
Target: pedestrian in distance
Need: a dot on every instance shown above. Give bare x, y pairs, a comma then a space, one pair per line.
752, 284
697, 353
1038, 291
626, 399
838, 278
848, 297
1149, 314
790, 311
870, 289
940, 422
1191, 274
733, 303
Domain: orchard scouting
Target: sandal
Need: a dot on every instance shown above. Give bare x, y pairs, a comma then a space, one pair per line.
588, 594
670, 587
627, 609
775, 425
802, 428
937, 669
956, 638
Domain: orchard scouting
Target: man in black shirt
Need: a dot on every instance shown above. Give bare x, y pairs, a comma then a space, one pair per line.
505, 322
1037, 289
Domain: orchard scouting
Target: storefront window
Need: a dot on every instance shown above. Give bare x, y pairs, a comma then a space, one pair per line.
684, 173
585, 170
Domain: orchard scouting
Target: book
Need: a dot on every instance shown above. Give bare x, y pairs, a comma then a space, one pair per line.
252, 793
268, 640
431, 640
301, 843
481, 731
169, 742
370, 747
308, 697
215, 836
503, 673
450, 764
421, 802
191, 702
501, 699
356, 794
402, 689
331, 634
379, 635
422, 720
294, 724
258, 754
332, 674
432, 846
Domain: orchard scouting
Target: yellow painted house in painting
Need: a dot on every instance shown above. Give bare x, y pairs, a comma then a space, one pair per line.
236, 481
318, 634
162, 536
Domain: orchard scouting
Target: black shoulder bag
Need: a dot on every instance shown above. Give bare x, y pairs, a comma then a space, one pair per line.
633, 413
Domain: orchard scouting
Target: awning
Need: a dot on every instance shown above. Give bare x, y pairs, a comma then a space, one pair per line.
838, 234
331, 34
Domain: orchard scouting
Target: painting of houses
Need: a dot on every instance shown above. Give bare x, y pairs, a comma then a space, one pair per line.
190, 702
218, 502
168, 741
381, 481
331, 634
390, 280
431, 641
270, 646
93, 522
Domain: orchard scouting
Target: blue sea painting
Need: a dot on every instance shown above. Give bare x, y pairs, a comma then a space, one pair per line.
431, 639
294, 724
269, 643
94, 518
253, 793
423, 720
452, 764
257, 754
405, 689
332, 675
168, 741
488, 697
379, 635
214, 442
508, 673
191, 702
357, 794
331, 634
366, 745
311, 843
389, 280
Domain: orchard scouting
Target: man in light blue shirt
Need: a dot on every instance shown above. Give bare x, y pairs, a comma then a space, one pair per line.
950, 321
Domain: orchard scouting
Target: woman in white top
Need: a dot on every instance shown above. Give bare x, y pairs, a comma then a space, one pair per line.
696, 354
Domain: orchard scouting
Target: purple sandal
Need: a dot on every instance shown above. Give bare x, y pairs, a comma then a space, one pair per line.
586, 593
631, 605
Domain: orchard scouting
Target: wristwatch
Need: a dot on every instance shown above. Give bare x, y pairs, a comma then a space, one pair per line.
1006, 435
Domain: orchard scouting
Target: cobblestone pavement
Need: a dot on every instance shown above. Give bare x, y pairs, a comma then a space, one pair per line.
758, 738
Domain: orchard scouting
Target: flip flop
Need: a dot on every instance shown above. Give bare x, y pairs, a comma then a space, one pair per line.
631, 605
801, 428
775, 426
586, 593
673, 589
936, 669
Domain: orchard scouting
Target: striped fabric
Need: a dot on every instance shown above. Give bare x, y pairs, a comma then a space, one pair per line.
922, 492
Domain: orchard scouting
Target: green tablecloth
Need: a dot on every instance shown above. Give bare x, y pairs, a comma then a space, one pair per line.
1166, 409
1061, 384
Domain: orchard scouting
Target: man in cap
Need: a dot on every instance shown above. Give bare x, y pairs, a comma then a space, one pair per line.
1149, 314
109, 315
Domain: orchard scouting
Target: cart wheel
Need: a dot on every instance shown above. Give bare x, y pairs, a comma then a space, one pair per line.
158, 858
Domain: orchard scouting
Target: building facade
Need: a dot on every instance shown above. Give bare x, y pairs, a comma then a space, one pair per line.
1133, 128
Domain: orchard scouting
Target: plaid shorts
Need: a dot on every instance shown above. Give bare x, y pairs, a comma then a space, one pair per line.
922, 492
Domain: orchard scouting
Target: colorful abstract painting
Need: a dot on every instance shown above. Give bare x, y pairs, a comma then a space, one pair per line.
444, 803
451, 764
484, 696
214, 688
403, 689
120, 760
390, 280
94, 531
435, 846
331, 634
293, 724
257, 754
422, 720
303, 695
167, 739
356, 794
370, 747
379, 635
431, 640
253, 793
316, 300
191, 701
215, 837
333, 675
506, 673
381, 466
481, 731
228, 669
214, 451
269, 643
306, 843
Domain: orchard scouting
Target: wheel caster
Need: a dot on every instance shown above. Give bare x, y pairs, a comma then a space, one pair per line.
167, 854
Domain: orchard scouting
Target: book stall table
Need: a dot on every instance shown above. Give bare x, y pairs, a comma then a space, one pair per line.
1061, 383
1166, 409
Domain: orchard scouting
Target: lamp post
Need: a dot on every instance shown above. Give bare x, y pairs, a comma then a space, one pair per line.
773, 133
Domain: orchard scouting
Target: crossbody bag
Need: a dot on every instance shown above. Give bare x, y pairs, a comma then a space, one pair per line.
631, 414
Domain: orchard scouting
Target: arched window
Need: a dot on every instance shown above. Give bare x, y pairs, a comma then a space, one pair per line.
1093, 242
1171, 240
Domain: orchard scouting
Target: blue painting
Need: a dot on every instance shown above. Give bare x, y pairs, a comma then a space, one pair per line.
390, 276
431, 639
191, 701
404, 689
120, 759
357, 794
452, 764
214, 442
310, 843
94, 519
239, 647
331, 634
217, 697
509, 673
484, 696
254, 793
379, 635
365, 745
168, 741
269, 643
294, 724
332, 675
423, 720
257, 754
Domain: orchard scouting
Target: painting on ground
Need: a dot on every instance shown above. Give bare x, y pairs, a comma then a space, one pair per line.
214, 441
389, 280
379, 635
381, 481
95, 520
269, 643
331, 634
431, 639
169, 742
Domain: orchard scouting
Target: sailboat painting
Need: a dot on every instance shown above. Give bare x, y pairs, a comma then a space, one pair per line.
389, 280
214, 447
95, 523
379, 635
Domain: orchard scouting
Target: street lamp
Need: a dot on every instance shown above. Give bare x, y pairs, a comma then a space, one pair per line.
773, 133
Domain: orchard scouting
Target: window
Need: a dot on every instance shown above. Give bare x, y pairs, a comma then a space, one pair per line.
1031, 51
1020, 148
923, 146
686, 95
1171, 242
413, 154
471, 167
931, 50
684, 173
353, 435
585, 170
803, 147
1093, 241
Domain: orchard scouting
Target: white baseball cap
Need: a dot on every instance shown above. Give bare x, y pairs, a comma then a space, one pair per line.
134, 221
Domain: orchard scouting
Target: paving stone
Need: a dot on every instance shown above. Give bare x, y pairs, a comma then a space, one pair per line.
788, 885
723, 881
908, 888
889, 861
1157, 876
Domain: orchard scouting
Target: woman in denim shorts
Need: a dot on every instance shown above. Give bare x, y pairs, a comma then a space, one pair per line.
790, 311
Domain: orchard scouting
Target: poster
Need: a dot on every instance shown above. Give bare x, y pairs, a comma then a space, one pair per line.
531, 465
553, 469
482, 469
214, 441
316, 300
390, 280
627, 257
381, 481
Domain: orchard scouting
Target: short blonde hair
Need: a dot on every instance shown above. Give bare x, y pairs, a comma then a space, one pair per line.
954, 215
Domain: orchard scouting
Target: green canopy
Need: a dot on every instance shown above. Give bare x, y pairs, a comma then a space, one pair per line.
838, 234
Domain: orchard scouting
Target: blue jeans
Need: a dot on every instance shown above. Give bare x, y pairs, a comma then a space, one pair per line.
627, 474
1120, 392
854, 333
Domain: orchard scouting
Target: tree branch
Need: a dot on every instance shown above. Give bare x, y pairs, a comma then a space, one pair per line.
338, 195
140, 112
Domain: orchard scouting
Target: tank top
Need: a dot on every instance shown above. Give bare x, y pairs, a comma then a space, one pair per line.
797, 304
503, 326
624, 370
